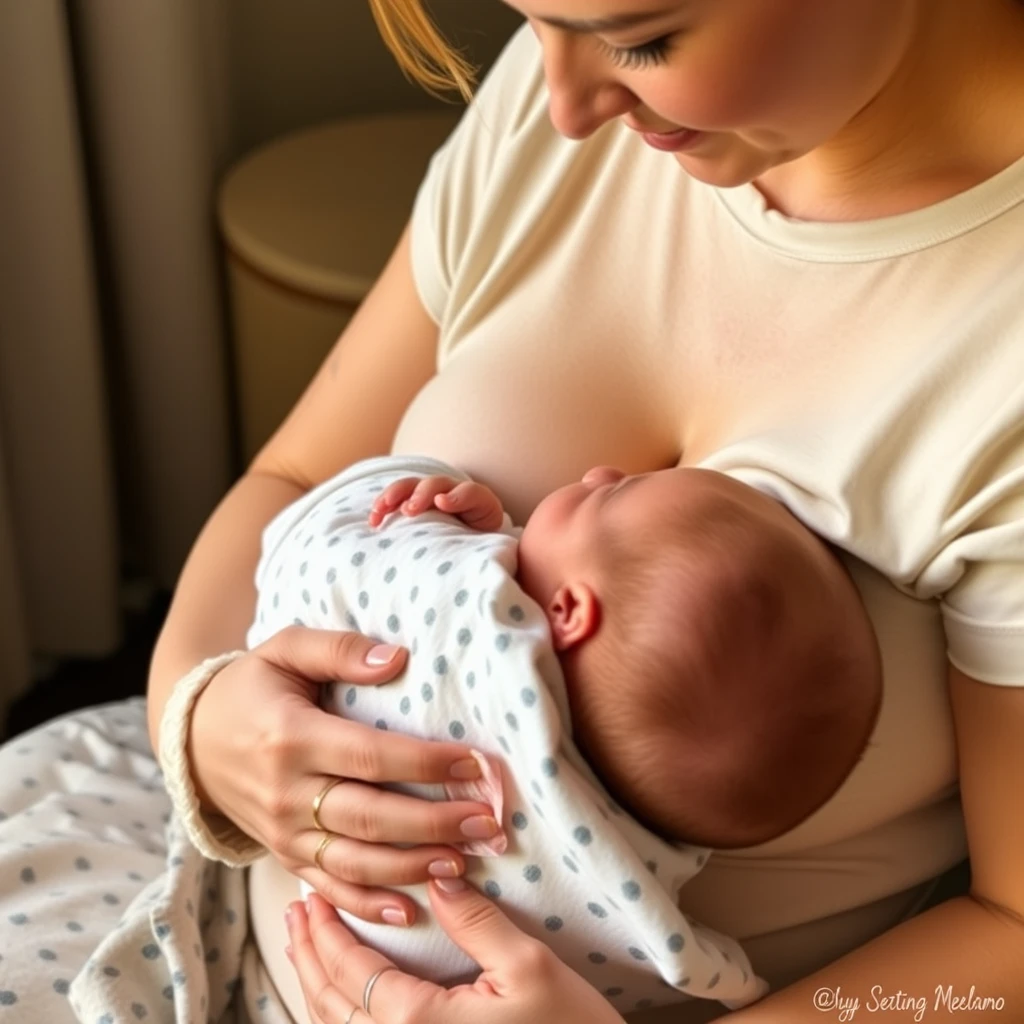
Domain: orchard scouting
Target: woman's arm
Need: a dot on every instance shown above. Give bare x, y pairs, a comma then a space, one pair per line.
266, 702
350, 411
968, 948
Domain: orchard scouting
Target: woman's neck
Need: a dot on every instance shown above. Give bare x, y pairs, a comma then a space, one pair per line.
948, 119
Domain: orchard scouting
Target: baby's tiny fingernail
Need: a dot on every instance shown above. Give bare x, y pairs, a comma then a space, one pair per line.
450, 885
288, 918
288, 952
479, 827
392, 915
443, 869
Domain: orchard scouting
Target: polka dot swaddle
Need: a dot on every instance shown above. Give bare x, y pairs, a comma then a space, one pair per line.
578, 872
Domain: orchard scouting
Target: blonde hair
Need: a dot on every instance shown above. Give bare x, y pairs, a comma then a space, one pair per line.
423, 54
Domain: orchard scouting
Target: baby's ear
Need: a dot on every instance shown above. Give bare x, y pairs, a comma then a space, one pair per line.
574, 613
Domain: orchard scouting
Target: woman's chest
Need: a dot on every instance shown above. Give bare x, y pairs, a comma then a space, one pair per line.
528, 411
530, 398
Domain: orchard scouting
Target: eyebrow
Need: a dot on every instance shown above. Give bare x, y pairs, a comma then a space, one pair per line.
610, 24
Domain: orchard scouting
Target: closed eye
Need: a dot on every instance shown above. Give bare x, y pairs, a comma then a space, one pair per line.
644, 56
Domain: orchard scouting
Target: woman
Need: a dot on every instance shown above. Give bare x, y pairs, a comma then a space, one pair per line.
795, 323
778, 238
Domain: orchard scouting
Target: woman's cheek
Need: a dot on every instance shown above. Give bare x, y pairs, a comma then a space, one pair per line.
713, 101
745, 70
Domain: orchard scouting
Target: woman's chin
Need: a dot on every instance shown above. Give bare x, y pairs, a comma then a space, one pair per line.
729, 166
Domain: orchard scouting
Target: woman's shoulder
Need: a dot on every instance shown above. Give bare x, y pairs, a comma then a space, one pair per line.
505, 176
515, 87
512, 99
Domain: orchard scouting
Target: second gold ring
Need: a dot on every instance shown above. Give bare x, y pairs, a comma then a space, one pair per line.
318, 857
318, 801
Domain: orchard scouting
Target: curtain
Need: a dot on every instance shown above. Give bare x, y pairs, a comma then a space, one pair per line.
114, 423
118, 118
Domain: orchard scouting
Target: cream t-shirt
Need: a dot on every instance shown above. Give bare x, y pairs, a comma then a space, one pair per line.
598, 306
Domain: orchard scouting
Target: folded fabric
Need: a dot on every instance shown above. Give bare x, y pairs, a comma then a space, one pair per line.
109, 914
578, 873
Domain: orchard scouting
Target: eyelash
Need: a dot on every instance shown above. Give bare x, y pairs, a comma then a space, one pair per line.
645, 56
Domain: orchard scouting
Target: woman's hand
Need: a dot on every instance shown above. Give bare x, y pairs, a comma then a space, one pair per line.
476, 505
521, 980
261, 750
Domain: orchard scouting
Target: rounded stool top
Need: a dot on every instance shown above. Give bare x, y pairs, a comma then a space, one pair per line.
320, 210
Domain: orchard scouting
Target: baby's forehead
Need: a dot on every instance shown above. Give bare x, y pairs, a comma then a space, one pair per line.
688, 500
690, 487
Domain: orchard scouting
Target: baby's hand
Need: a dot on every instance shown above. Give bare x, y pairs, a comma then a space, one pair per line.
476, 505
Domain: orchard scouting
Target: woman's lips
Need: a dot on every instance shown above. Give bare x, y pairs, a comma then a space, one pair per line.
673, 142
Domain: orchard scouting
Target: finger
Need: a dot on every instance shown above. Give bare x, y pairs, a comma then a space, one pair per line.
477, 926
460, 496
372, 904
478, 506
324, 1002
369, 864
398, 491
350, 965
364, 812
328, 655
391, 498
334, 746
426, 491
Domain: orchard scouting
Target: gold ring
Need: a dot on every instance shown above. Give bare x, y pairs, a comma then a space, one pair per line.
318, 802
318, 857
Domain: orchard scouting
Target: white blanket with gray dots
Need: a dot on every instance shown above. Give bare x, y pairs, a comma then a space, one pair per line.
578, 873
108, 915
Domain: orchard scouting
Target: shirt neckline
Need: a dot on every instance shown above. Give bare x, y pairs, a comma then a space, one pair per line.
882, 238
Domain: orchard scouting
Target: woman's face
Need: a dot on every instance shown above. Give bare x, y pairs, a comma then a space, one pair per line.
758, 82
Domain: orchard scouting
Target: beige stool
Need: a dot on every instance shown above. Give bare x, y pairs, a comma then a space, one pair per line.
308, 223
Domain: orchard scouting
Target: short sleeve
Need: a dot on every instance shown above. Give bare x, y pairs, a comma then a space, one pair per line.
983, 611
460, 185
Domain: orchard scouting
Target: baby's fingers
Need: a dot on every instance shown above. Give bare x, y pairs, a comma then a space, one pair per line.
391, 498
426, 494
458, 498
475, 504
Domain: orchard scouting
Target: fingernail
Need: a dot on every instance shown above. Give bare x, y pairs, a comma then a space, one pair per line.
381, 654
479, 827
450, 885
443, 869
467, 769
288, 918
392, 915
309, 905
288, 952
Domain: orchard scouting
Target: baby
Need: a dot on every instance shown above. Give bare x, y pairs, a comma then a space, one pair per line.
706, 653
722, 674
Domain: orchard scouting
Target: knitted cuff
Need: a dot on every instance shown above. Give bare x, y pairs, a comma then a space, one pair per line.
211, 834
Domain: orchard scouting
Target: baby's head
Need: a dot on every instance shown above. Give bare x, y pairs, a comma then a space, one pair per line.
722, 672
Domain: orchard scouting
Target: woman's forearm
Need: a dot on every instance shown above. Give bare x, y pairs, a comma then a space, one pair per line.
350, 411
215, 596
959, 960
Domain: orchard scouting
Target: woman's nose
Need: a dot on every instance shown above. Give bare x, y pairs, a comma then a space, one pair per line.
583, 96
